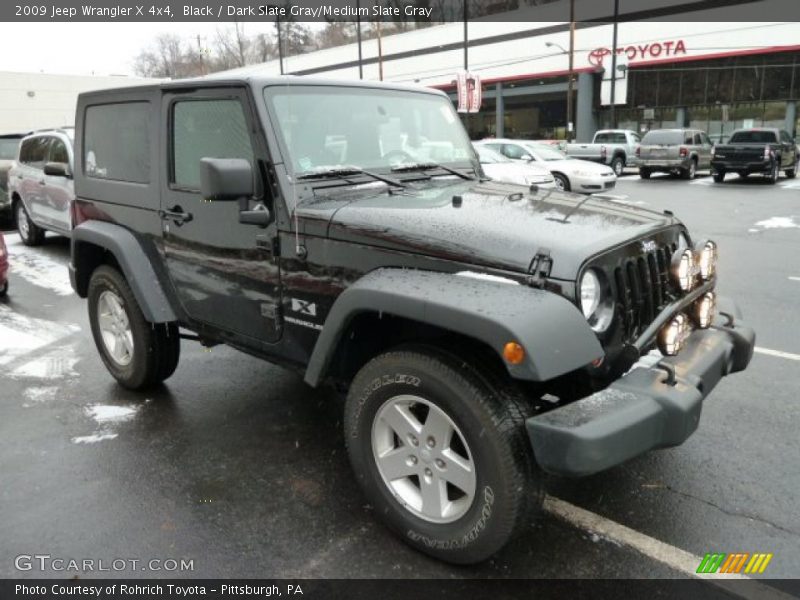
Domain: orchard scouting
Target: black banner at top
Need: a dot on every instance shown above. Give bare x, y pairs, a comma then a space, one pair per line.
420, 11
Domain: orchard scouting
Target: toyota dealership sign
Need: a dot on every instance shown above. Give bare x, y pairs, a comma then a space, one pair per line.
641, 52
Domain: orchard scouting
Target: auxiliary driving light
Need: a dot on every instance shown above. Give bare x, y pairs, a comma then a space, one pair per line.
704, 309
684, 269
706, 259
674, 334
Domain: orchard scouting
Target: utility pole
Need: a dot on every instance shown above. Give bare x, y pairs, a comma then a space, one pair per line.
466, 38
614, 68
280, 42
380, 53
358, 34
570, 74
200, 54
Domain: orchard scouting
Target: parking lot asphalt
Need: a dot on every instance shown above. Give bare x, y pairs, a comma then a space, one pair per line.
236, 464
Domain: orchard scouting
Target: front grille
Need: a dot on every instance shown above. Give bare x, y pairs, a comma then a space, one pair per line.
643, 288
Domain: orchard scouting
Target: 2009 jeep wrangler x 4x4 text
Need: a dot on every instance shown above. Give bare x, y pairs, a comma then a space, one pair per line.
484, 331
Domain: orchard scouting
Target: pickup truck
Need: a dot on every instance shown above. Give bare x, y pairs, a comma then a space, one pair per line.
613, 147
765, 151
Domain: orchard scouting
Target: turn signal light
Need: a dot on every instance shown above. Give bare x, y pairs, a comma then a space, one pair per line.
513, 353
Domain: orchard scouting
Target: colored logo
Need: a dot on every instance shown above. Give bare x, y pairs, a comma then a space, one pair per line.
741, 562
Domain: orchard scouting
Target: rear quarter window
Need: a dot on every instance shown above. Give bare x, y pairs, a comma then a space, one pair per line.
116, 143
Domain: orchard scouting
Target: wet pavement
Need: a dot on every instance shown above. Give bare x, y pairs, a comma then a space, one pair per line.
240, 467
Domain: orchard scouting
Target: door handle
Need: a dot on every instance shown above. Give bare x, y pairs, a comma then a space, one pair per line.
175, 214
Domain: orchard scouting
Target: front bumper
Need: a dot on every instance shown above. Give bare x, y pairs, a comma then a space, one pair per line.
592, 184
641, 410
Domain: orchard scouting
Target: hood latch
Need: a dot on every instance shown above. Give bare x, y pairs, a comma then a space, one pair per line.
540, 268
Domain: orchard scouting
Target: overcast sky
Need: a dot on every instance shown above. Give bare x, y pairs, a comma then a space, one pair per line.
86, 48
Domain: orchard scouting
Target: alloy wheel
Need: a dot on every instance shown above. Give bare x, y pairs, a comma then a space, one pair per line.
23, 225
423, 458
115, 328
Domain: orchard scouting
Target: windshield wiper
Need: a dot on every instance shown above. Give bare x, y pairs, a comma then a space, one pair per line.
425, 166
343, 172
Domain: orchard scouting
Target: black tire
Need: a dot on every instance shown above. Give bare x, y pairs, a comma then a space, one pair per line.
719, 176
691, 171
644, 173
4, 289
491, 420
743, 174
562, 182
792, 173
32, 235
775, 172
618, 165
156, 347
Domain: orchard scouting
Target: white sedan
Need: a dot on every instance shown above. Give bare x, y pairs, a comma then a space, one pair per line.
571, 174
505, 170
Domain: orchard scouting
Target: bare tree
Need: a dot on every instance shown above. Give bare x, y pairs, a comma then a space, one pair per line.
166, 57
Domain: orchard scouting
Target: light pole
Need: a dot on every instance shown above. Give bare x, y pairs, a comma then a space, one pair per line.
614, 68
358, 33
569, 84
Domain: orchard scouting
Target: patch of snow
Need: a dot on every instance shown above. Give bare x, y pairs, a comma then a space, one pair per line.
111, 414
20, 334
39, 395
778, 223
94, 438
55, 364
39, 270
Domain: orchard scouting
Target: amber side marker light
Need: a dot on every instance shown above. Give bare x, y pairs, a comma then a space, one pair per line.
513, 353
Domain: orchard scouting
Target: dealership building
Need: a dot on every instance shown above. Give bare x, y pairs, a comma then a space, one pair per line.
707, 73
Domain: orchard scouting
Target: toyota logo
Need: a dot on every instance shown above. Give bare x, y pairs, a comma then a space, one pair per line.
597, 55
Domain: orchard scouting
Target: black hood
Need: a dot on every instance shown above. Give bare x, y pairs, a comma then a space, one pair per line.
494, 225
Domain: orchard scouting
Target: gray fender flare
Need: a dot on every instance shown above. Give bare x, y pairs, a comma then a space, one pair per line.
135, 264
556, 337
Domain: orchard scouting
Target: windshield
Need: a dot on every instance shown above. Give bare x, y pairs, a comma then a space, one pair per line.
753, 137
328, 127
488, 156
8, 148
543, 152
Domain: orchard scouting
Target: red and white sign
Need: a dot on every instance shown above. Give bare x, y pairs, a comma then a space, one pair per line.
646, 51
470, 92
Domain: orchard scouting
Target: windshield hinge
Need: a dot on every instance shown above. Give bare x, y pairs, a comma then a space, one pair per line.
540, 268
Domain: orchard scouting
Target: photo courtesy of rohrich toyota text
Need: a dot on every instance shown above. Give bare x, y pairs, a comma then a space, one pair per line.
400, 298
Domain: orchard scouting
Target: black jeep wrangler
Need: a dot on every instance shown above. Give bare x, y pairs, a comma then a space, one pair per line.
483, 331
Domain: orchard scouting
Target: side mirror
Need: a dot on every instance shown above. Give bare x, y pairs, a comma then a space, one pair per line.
527, 157
57, 169
225, 179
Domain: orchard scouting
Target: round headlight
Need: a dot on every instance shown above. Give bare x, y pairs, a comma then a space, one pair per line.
684, 269
590, 293
707, 259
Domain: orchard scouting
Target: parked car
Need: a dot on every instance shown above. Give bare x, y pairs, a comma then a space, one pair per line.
41, 186
679, 151
9, 148
570, 174
613, 147
3, 266
445, 305
763, 151
500, 168
560, 144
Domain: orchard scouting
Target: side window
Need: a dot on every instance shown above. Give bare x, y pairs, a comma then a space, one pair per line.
698, 139
206, 129
34, 151
116, 142
602, 138
705, 139
58, 152
514, 151
785, 137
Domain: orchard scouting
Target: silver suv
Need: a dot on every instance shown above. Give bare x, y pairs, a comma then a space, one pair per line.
40, 185
680, 151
